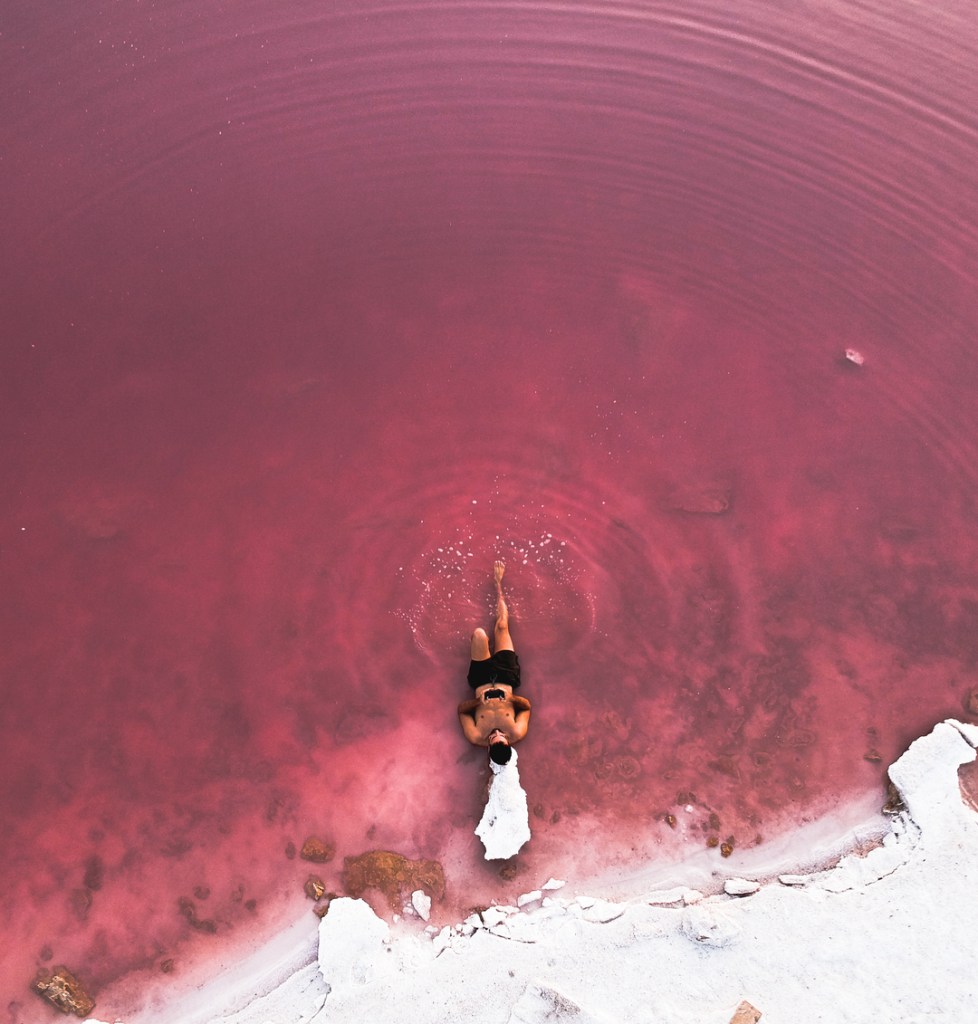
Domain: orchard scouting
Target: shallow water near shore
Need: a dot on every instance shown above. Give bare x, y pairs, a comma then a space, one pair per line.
311, 314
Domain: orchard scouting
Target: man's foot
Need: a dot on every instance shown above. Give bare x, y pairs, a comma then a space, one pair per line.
498, 572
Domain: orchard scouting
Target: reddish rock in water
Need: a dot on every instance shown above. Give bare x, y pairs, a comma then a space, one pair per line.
94, 873
317, 850
706, 501
64, 991
321, 909
894, 802
392, 874
81, 902
188, 909
971, 701
509, 871
314, 887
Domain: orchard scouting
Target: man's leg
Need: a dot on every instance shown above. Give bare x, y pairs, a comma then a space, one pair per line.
502, 641
480, 645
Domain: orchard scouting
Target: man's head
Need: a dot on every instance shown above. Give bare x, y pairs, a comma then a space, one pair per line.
500, 751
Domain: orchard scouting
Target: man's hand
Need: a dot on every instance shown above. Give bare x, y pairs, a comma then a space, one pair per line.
520, 703
468, 706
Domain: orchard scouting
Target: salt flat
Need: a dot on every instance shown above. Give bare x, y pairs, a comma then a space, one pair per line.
885, 935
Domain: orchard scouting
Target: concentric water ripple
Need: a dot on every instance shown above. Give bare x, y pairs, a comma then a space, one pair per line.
312, 312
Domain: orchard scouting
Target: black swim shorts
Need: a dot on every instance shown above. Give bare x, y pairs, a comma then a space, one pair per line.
501, 667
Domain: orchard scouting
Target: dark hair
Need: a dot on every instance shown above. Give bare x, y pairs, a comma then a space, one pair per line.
500, 752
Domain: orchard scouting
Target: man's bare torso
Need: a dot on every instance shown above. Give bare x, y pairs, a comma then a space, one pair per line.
481, 716
496, 713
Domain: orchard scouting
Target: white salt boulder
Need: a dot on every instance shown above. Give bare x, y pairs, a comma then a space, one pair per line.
740, 887
794, 879
505, 824
707, 925
666, 896
541, 1004
421, 902
353, 945
927, 774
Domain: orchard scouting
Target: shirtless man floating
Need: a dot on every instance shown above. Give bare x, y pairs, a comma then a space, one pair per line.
495, 717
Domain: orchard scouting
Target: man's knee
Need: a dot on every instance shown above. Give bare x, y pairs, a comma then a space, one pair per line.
479, 635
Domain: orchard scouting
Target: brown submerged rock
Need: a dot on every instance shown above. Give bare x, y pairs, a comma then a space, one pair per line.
971, 701
894, 802
393, 875
314, 887
80, 901
188, 909
63, 991
317, 850
700, 501
94, 873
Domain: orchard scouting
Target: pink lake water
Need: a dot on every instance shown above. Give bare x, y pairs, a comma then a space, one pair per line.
311, 311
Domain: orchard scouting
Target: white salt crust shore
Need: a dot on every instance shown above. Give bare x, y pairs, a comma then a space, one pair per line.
887, 936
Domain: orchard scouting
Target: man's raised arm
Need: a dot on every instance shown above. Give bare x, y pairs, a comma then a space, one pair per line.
468, 706
520, 704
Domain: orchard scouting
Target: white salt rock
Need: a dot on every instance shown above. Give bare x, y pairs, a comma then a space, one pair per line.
794, 879
667, 896
740, 887
472, 923
855, 356
442, 940
492, 916
692, 896
528, 897
585, 901
553, 883
707, 925
546, 913
352, 945
421, 902
602, 912
524, 928
967, 730
541, 1004
500, 929
505, 823
927, 774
